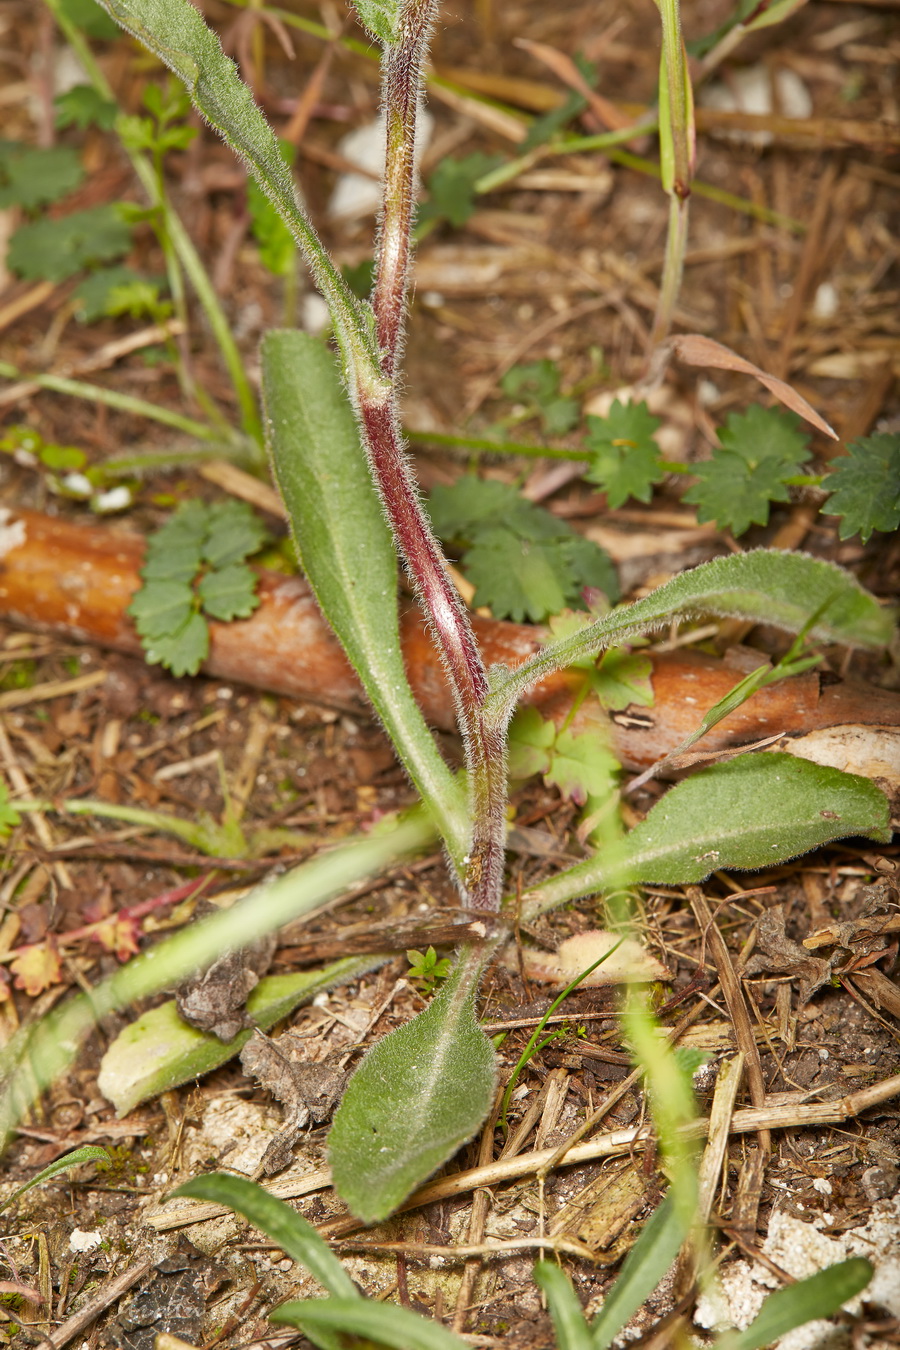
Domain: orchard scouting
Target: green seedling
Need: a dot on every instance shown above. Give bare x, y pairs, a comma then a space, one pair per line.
338, 456
426, 970
89, 1153
537, 386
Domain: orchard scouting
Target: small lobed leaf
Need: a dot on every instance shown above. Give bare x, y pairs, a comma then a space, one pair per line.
82, 107
530, 742
451, 189
760, 449
622, 677
110, 291
183, 651
234, 532
31, 176
54, 250
229, 593
522, 560
865, 486
582, 767
161, 608
446, 1065
538, 383
37, 967
625, 458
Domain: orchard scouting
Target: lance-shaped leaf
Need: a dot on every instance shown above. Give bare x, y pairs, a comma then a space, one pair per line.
176, 33
418, 1095
820, 1295
786, 589
750, 812
89, 1153
347, 553
160, 1051
384, 1323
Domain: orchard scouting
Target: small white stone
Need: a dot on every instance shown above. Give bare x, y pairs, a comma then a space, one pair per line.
115, 499
84, 1242
825, 303
822, 1185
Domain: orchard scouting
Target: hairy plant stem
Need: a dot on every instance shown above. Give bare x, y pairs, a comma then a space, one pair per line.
401, 82
483, 738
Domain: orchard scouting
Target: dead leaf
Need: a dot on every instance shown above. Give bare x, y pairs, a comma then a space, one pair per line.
214, 1000
695, 350
630, 961
37, 968
778, 953
308, 1091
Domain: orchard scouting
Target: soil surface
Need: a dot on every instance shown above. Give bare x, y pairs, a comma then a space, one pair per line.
792, 262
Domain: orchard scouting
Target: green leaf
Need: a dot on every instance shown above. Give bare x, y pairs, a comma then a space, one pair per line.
229, 593
31, 177
381, 18
384, 1323
159, 1051
161, 608
537, 383
820, 1295
530, 743
346, 551
89, 17
760, 449
865, 486
621, 678
235, 532
54, 250
82, 106
294, 1234
48, 1046
182, 651
379, 1154
89, 1153
750, 812
764, 586
522, 560
178, 562
582, 766
177, 34
565, 1310
111, 291
625, 459
277, 249
9, 816
451, 189
645, 1265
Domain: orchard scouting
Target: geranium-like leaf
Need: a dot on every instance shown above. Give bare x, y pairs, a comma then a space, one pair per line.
445, 1064
37, 967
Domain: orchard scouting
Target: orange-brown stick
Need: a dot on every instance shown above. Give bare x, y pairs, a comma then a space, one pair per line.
77, 580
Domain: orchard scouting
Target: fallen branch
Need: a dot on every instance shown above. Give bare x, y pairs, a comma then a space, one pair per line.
77, 581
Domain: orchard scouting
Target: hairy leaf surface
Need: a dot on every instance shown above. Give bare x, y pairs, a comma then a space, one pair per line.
785, 589
749, 812
418, 1095
346, 550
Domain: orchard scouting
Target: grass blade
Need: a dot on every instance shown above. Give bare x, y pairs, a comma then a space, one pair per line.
819, 1296
382, 1322
89, 1153
294, 1234
568, 1319
643, 1268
